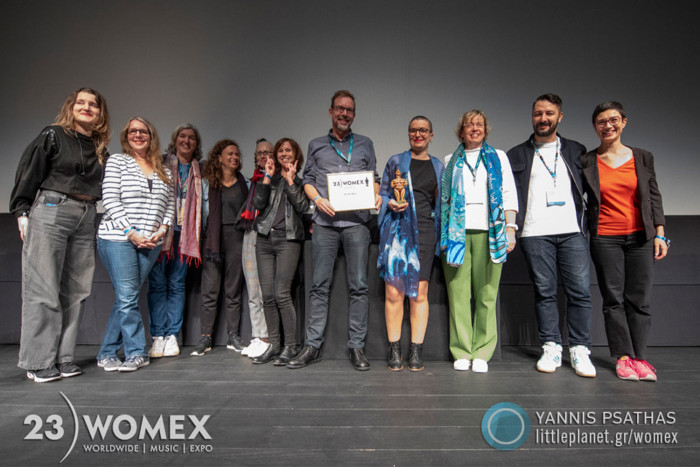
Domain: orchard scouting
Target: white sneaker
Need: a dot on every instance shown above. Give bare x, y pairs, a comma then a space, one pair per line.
581, 362
461, 364
259, 349
480, 366
550, 359
157, 347
250, 346
171, 347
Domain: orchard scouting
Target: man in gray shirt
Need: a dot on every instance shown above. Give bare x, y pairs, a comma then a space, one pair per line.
338, 151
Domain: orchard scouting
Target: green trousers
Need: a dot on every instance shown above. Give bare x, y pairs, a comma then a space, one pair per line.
478, 276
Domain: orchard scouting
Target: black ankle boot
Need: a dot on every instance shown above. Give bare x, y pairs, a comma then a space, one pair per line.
415, 357
270, 354
288, 353
395, 359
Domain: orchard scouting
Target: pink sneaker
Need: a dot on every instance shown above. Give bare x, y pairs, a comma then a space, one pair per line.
626, 369
644, 370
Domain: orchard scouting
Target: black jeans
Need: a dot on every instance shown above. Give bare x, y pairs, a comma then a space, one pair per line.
231, 267
624, 265
278, 259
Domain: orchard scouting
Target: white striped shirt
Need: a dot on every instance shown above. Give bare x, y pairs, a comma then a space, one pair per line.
129, 202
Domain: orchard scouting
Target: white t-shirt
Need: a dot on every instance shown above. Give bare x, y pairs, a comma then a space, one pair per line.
550, 205
476, 208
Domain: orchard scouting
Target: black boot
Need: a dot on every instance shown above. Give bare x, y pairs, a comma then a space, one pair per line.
307, 356
395, 358
270, 354
415, 357
287, 354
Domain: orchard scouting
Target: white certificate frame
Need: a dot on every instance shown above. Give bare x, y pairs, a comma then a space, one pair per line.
351, 191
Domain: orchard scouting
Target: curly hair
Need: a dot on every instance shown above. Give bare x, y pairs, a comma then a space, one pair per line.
101, 131
212, 166
153, 155
197, 154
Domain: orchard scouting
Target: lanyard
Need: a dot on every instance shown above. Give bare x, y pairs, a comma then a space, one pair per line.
552, 173
347, 158
476, 166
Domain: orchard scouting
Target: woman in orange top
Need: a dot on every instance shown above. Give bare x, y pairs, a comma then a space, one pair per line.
626, 222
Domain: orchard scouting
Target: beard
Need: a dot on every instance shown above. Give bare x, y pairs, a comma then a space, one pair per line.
548, 131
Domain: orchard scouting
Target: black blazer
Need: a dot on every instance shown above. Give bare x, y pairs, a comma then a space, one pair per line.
648, 193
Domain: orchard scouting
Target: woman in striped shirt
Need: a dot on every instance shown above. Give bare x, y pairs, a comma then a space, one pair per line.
139, 204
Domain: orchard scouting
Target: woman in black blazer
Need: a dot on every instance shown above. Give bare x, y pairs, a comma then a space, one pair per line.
626, 222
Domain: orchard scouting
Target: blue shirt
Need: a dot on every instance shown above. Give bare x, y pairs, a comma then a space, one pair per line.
322, 159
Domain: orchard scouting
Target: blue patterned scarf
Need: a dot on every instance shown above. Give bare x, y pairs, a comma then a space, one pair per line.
453, 231
398, 260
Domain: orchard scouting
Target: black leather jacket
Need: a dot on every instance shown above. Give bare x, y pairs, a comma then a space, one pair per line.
268, 197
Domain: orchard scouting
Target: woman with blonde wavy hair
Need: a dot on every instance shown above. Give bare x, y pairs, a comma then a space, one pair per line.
56, 188
139, 208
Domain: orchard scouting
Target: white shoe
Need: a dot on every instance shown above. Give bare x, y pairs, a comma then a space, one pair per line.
550, 359
461, 364
171, 347
581, 362
259, 349
157, 347
250, 346
480, 366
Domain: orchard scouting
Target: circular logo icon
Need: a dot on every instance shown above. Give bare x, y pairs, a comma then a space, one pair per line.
505, 426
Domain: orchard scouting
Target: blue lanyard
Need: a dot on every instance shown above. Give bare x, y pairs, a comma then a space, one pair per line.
476, 166
347, 158
552, 173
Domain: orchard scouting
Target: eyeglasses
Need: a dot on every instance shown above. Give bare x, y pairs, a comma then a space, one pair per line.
264, 153
602, 123
138, 131
420, 131
340, 109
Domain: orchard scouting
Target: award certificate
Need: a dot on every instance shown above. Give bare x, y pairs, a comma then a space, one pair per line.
351, 191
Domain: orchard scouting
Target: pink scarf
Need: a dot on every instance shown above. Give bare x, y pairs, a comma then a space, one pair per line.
192, 218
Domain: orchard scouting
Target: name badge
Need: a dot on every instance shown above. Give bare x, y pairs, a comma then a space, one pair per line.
556, 197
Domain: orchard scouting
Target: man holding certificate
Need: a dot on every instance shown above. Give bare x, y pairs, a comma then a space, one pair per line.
340, 178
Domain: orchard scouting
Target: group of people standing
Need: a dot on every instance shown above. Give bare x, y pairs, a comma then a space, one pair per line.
165, 213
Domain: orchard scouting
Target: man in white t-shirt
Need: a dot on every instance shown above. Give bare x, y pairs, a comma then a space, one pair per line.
547, 172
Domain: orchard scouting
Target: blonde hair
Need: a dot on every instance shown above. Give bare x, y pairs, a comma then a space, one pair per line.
101, 131
153, 155
469, 116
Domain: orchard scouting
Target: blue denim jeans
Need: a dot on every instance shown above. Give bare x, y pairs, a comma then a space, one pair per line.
58, 262
166, 293
566, 254
128, 268
325, 242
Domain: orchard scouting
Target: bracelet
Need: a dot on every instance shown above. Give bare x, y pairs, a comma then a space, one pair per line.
268, 175
666, 240
126, 232
513, 226
317, 197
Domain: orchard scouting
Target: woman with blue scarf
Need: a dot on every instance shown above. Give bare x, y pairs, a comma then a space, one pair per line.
479, 204
409, 229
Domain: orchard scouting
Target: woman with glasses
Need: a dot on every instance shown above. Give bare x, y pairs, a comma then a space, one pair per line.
166, 282
281, 200
56, 187
479, 204
626, 223
409, 228
260, 342
224, 192
139, 206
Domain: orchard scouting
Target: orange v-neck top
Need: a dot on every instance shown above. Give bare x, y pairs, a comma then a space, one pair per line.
619, 202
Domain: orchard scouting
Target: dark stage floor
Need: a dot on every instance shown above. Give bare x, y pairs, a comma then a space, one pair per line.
328, 414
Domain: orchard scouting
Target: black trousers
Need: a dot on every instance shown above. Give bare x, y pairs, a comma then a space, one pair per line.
624, 265
231, 268
278, 259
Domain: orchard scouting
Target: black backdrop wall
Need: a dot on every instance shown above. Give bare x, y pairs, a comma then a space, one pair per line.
675, 313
